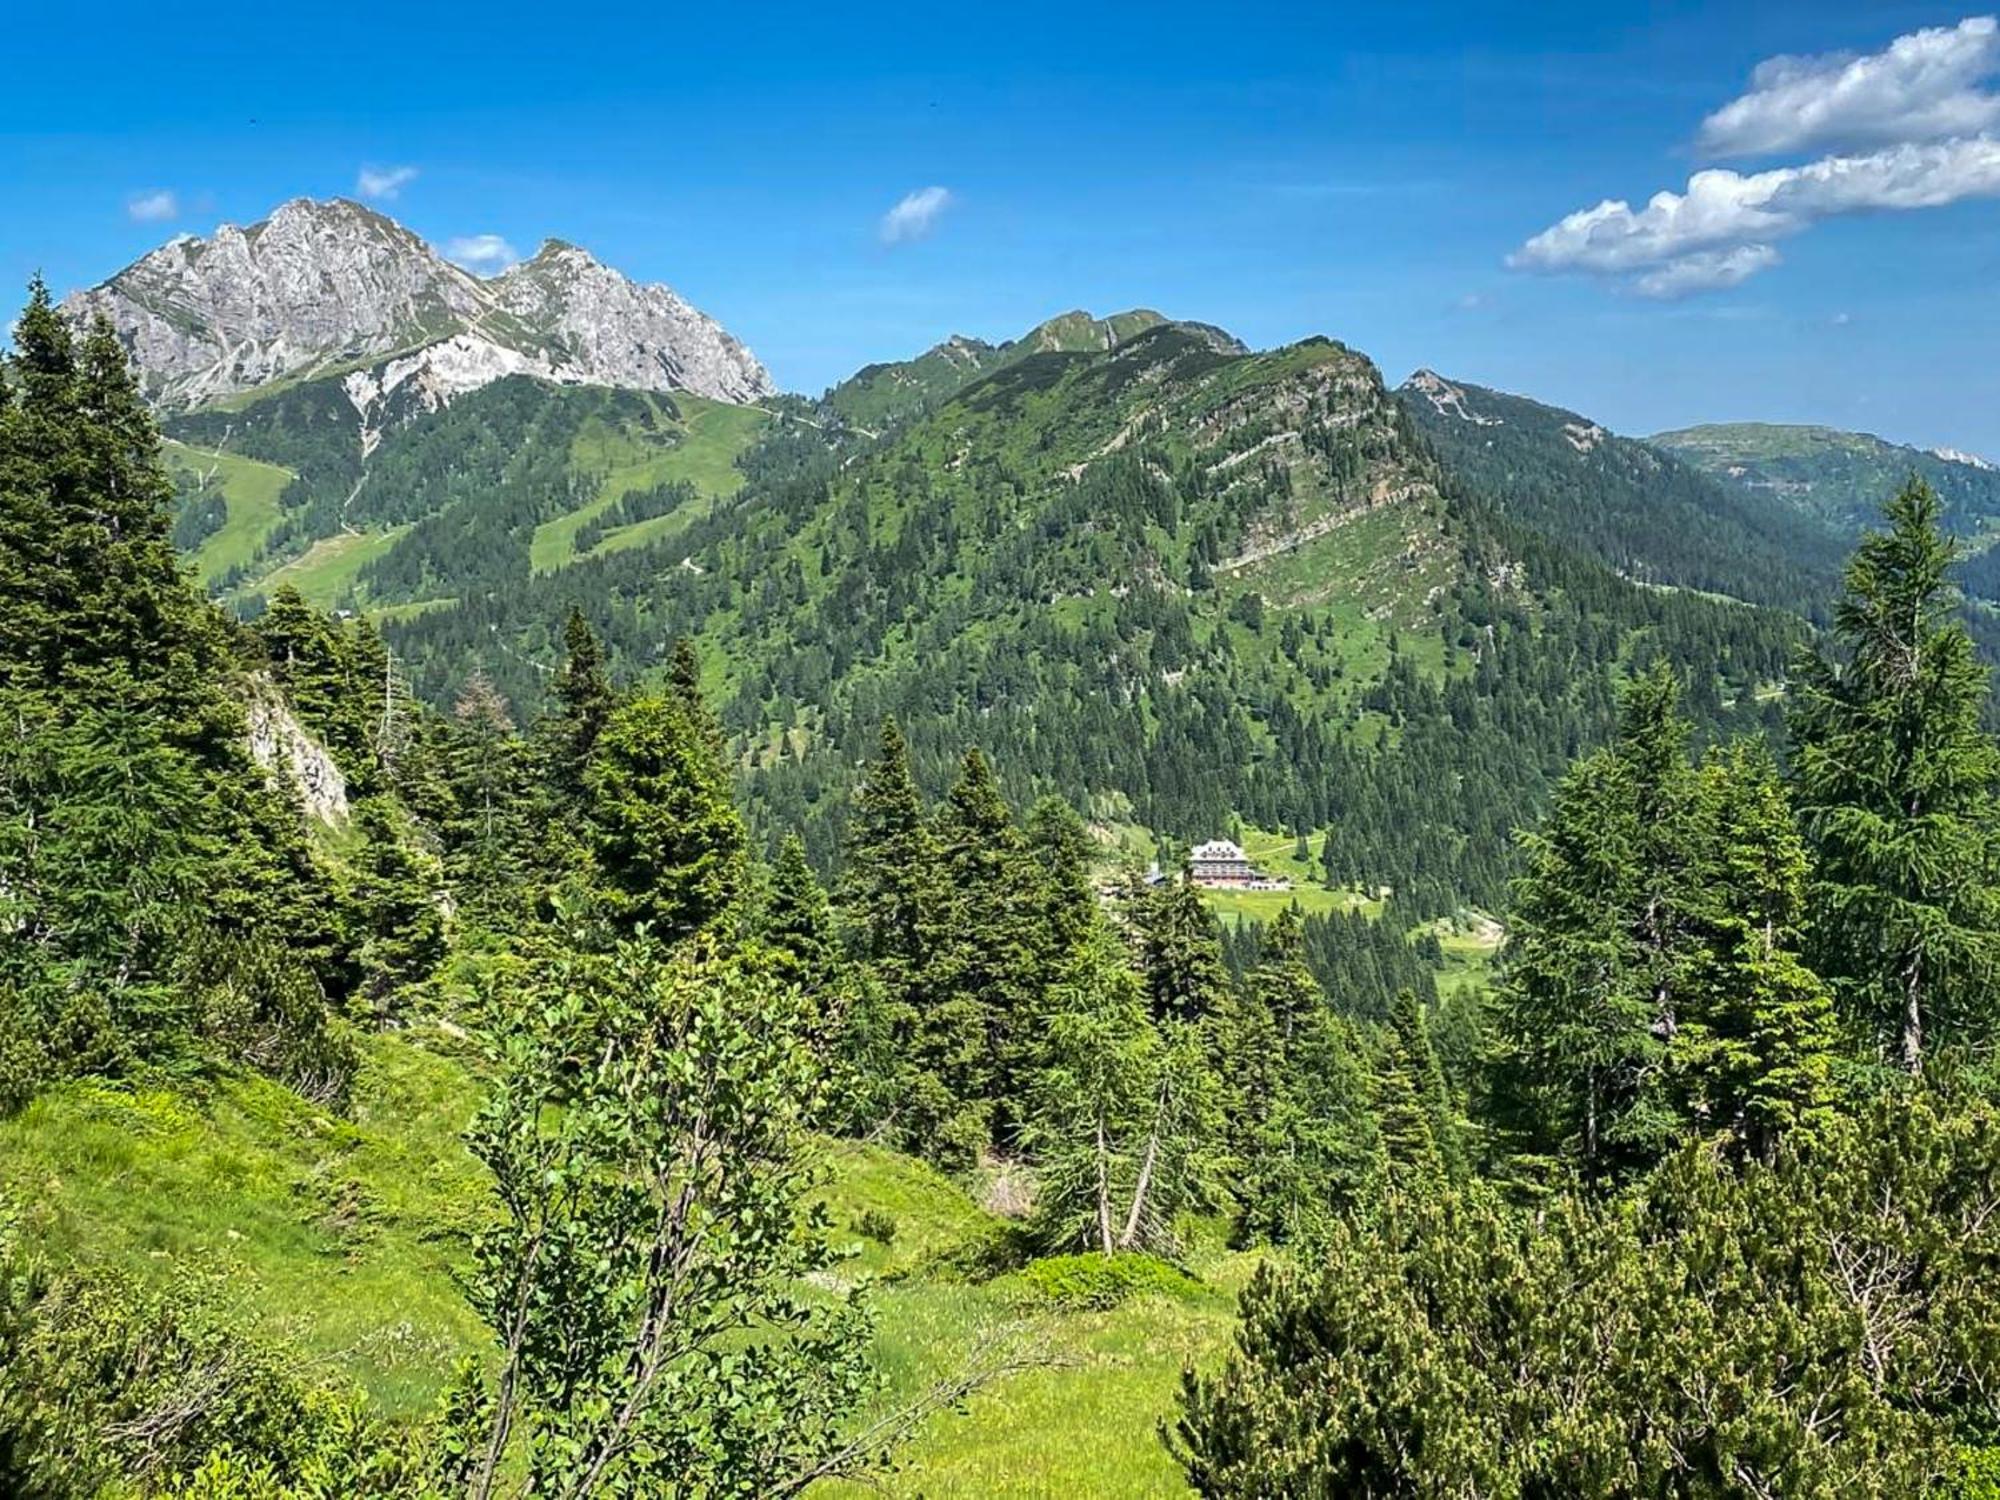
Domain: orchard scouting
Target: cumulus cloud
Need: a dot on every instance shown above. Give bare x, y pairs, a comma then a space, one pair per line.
383, 182
1705, 271
480, 252
154, 207
915, 215
1923, 86
1915, 100
1724, 210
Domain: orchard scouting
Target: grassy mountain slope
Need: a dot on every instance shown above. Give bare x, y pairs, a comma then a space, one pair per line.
1635, 508
250, 494
1180, 583
1838, 477
504, 480
339, 1237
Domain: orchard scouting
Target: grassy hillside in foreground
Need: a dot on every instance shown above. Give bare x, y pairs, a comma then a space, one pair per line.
338, 1237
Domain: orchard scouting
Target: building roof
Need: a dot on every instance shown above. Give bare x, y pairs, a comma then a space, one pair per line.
1218, 849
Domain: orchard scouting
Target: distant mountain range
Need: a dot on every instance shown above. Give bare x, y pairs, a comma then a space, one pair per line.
1838, 477
1183, 582
881, 395
324, 288
1639, 509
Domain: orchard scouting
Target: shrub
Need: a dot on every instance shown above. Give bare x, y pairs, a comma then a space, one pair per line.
1094, 1282
878, 1226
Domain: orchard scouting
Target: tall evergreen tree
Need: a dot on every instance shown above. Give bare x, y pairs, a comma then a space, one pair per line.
669, 842
1302, 1131
1421, 1129
1896, 787
585, 699
1180, 952
395, 899
1759, 1040
986, 969
1596, 960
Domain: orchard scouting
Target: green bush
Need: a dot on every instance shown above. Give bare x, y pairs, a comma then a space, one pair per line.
1094, 1281
877, 1225
1979, 1474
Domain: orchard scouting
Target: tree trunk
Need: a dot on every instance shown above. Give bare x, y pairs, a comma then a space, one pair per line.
1913, 1016
1139, 1191
1103, 1192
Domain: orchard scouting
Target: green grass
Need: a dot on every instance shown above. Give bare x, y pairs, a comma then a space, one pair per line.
326, 573
250, 490
714, 435
338, 1238
1082, 1419
1469, 959
334, 1237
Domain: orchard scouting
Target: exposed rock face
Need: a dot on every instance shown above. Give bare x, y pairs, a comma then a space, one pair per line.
613, 331
1450, 400
324, 286
292, 758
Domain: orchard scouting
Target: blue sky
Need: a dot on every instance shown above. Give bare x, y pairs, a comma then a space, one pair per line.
1365, 172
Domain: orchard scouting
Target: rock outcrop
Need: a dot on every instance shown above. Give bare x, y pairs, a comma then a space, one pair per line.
323, 287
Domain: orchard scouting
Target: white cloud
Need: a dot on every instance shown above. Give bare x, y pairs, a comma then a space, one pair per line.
1705, 271
1724, 210
1922, 87
915, 216
383, 182
1913, 127
154, 207
480, 252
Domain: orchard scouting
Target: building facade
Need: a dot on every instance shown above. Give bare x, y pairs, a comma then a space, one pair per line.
1222, 864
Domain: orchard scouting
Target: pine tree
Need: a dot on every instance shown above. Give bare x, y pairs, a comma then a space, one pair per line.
984, 979
1180, 953
1760, 1040
669, 842
585, 699
1598, 952
1896, 788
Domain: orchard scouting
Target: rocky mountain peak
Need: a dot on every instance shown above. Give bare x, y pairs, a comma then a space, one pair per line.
322, 286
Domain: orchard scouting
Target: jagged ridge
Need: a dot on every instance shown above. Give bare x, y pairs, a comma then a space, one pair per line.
323, 287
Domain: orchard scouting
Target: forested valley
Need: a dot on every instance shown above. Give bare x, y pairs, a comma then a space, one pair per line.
601, 1066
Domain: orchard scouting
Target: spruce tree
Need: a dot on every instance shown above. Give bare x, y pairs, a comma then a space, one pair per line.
1180, 952
984, 982
798, 918
1422, 1134
1758, 1046
1302, 1131
1597, 957
1062, 849
395, 900
1896, 787
585, 699
669, 843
